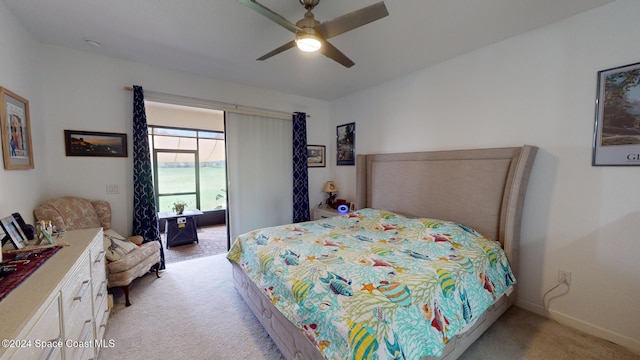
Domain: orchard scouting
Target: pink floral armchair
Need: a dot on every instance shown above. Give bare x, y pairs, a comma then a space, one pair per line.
127, 257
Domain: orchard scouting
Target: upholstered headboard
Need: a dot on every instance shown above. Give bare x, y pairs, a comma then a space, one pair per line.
481, 188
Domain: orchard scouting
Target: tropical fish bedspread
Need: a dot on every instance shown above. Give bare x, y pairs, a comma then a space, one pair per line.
373, 284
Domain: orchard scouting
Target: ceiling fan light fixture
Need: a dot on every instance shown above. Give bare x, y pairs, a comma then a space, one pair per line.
308, 42
312, 35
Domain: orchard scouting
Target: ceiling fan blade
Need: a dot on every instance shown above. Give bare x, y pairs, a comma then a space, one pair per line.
265, 11
352, 20
277, 51
332, 52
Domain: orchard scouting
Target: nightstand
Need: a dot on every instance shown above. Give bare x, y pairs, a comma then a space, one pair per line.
321, 213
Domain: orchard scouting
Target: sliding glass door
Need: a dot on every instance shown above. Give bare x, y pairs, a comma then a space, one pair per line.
189, 166
177, 178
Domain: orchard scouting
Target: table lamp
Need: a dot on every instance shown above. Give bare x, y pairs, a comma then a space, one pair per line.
331, 189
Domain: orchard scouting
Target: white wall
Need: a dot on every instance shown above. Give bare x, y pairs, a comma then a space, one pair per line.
537, 88
84, 91
19, 72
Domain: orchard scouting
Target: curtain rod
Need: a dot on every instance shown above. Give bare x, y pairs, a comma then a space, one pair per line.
222, 105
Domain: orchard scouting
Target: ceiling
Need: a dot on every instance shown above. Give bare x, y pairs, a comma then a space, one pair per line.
222, 38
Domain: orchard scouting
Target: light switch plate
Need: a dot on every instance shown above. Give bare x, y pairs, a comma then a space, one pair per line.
113, 189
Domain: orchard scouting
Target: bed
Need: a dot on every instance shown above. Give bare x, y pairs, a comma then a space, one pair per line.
460, 210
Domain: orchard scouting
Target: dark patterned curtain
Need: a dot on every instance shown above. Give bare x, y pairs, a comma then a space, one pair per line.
300, 170
145, 216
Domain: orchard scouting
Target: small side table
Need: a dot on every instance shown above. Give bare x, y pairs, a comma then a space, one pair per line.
180, 229
323, 213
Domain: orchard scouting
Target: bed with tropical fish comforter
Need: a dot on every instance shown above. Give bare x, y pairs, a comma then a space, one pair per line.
373, 284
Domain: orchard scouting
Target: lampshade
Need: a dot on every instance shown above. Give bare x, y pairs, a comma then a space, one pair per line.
308, 42
330, 187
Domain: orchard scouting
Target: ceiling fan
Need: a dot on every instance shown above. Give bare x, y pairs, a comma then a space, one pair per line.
311, 35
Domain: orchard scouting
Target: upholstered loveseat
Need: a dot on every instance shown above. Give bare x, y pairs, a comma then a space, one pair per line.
127, 257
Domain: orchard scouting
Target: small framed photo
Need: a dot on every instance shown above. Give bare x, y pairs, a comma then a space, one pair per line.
346, 144
13, 232
16, 131
93, 143
316, 156
616, 139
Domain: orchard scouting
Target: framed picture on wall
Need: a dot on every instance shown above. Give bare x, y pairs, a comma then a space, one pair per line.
16, 131
346, 144
316, 156
616, 139
92, 143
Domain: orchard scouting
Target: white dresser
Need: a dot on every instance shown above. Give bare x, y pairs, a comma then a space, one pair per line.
60, 311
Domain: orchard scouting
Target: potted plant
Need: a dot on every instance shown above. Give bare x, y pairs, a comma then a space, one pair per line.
178, 207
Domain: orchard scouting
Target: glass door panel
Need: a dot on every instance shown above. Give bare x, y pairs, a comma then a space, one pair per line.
176, 178
213, 177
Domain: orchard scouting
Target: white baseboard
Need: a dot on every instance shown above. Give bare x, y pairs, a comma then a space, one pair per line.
624, 341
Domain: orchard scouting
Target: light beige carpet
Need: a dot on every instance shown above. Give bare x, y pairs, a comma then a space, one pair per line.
191, 312
194, 312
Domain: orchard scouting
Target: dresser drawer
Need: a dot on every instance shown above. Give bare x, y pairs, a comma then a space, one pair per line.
79, 331
44, 340
77, 311
98, 260
102, 317
76, 293
79, 339
98, 274
99, 297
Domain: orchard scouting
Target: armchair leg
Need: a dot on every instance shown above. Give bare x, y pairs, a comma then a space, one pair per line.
156, 267
126, 294
125, 288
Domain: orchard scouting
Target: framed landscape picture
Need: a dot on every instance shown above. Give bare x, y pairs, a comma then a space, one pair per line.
316, 156
92, 143
16, 131
616, 139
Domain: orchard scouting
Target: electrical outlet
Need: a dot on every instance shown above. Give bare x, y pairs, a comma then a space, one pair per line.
113, 189
564, 277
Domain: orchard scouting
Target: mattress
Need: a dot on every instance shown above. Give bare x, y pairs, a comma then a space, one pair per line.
375, 284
